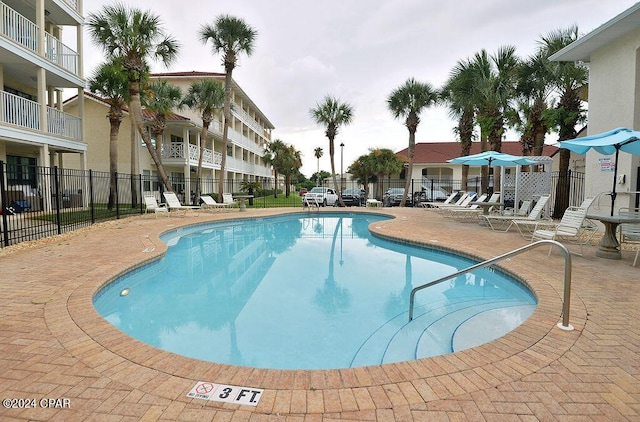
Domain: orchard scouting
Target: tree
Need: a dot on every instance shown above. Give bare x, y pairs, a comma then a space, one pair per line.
494, 82
333, 114
286, 160
407, 102
318, 153
161, 98
568, 80
363, 170
385, 162
458, 93
230, 37
204, 96
272, 151
132, 37
110, 82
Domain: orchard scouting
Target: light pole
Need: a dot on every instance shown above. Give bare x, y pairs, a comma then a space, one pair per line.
341, 163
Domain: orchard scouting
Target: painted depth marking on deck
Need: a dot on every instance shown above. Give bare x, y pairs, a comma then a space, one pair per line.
226, 393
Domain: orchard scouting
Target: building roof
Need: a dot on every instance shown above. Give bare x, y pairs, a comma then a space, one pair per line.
582, 48
441, 152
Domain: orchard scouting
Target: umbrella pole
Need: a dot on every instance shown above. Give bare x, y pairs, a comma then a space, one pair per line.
615, 176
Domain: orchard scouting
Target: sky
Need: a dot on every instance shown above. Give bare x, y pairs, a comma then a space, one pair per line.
358, 51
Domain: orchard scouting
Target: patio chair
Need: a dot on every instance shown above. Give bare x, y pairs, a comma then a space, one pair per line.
463, 202
174, 203
208, 203
228, 200
434, 203
447, 211
571, 228
522, 223
151, 205
630, 233
474, 210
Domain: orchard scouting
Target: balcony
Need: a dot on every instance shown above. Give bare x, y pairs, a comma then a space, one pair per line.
24, 113
26, 34
176, 151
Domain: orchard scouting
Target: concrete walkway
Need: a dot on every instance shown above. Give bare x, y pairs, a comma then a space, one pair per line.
53, 344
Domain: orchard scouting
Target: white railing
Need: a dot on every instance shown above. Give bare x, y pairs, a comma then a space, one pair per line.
250, 121
24, 32
63, 124
60, 54
25, 113
246, 143
19, 111
239, 166
18, 28
176, 150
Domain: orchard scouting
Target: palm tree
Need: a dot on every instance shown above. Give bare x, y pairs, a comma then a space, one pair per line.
289, 161
385, 163
204, 96
458, 93
407, 102
230, 37
569, 78
132, 37
274, 149
318, 153
363, 170
534, 89
333, 114
161, 98
110, 82
494, 82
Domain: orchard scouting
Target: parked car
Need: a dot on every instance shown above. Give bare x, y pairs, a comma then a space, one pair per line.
355, 197
393, 196
320, 196
303, 192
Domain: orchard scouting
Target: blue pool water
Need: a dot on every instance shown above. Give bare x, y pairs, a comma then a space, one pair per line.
308, 291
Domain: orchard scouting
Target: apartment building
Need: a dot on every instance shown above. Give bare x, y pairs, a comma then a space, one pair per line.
35, 67
249, 134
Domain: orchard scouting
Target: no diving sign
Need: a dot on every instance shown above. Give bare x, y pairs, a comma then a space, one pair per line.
226, 393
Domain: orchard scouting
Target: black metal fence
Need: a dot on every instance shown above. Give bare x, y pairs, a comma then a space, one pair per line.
37, 202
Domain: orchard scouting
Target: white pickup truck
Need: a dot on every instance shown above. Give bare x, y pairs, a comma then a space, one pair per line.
320, 197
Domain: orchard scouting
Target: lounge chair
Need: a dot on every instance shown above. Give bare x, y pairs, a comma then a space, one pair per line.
432, 204
463, 202
571, 228
526, 227
228, 200
474, 210
505, 222
208, 203
630, 233
466, 204
174, 203
151, 205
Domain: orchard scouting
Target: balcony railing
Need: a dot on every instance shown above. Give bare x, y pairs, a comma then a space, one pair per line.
24, 32
176, 150
25, 113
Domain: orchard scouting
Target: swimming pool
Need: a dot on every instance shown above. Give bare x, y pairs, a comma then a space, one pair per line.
308, 291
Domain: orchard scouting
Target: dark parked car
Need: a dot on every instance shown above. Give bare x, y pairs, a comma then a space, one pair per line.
393, 196
355, 197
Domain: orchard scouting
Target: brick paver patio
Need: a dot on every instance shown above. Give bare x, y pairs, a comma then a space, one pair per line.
53, 344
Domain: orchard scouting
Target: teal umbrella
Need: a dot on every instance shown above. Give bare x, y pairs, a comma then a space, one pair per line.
493, 158
607, 143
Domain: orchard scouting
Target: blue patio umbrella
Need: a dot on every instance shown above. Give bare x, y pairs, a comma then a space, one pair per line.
492, 158
607, 143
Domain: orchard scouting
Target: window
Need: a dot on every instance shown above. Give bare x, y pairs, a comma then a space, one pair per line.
21, 171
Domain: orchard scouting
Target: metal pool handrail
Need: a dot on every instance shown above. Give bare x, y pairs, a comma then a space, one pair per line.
564, 325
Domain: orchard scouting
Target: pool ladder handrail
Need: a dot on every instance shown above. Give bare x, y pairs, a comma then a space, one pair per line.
564, 325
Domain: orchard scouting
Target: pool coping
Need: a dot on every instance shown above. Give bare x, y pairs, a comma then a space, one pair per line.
526, 350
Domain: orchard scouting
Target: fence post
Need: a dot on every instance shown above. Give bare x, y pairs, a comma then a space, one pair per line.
140, 201
3, 200
92, 207
115, 176
56, 188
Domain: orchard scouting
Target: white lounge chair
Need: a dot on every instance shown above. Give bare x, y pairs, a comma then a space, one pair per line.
432, 204
571, 228
208, 203
174, 203
228, 200
463, 202
630, 233
466, 204
526, 227
499, 222
151, 205
475, 209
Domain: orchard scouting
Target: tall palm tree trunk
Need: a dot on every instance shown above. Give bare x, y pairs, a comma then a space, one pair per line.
407, 184
136, 112
113, 159
225, 128
333, 170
